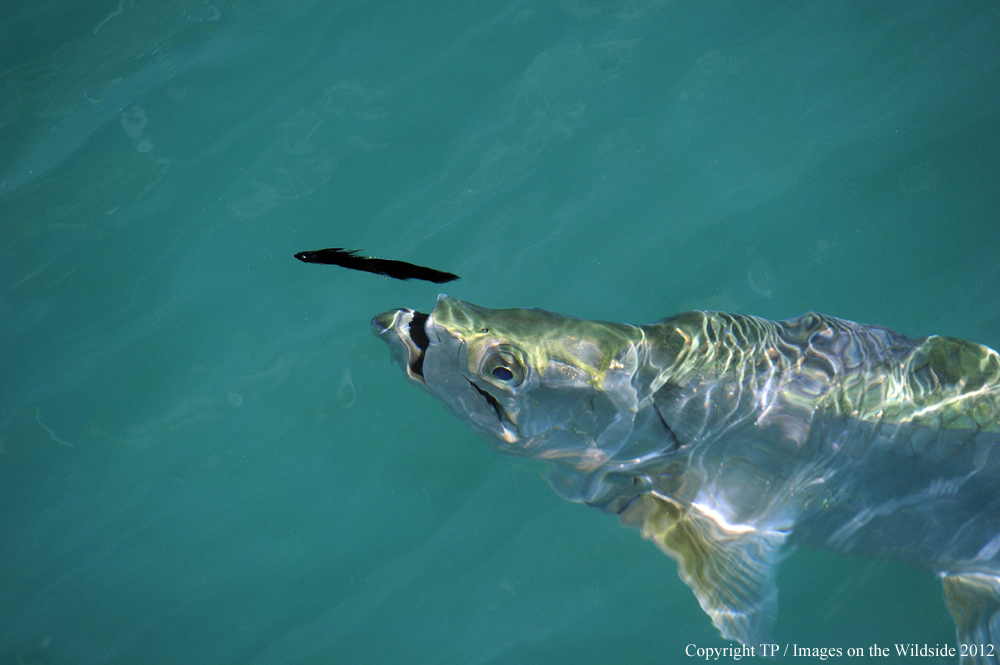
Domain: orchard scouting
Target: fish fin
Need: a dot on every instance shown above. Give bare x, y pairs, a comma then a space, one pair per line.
974, 602
731, 570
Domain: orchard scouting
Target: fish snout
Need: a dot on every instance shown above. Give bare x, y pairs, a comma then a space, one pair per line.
403, 330
382, 323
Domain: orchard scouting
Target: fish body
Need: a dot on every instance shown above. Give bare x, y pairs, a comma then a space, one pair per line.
726, 438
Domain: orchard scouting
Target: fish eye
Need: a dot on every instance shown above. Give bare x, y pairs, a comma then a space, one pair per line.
503, 365
502, 373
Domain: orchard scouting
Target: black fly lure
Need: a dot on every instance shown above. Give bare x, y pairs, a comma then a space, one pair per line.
348, 258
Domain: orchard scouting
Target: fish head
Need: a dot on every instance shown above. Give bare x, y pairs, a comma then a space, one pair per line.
534, 383
581, 394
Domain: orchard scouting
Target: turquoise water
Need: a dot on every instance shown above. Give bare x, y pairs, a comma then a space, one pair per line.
206, 457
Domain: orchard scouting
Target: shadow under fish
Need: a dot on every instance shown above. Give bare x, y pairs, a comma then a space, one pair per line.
349, 258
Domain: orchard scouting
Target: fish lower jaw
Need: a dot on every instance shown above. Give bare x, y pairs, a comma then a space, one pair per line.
394, 328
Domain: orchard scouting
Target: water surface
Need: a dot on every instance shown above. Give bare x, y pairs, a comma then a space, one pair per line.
204, 454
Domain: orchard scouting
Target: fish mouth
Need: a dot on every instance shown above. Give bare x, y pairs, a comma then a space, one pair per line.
418, 335
409, 328
405, 331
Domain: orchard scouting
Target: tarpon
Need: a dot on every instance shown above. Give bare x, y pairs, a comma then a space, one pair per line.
726, 438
